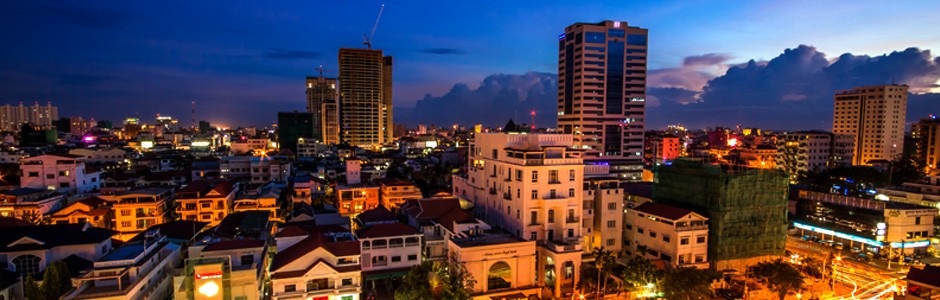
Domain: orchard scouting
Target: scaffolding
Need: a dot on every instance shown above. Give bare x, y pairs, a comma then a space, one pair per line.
747, 208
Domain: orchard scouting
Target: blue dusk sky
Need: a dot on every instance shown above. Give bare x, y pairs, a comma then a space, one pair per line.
770, 64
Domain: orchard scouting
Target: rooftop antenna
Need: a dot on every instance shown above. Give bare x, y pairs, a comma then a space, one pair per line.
533, 119
321, 70
368, 39
193, 116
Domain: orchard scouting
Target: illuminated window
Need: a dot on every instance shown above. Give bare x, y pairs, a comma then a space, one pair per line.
499, 276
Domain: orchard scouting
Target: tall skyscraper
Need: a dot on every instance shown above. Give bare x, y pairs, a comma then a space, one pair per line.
602, 93
365, 91
875, 116
322, 101
926, 135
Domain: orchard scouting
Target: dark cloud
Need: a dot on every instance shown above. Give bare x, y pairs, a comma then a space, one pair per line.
293, 54
92, 18
706, 59
792, 91
442, 51
499, 98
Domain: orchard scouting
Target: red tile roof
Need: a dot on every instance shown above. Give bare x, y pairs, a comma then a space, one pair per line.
311, 243
234, 244
299, 273
378, 214
92, 201
663, 211
200, 188
387, 230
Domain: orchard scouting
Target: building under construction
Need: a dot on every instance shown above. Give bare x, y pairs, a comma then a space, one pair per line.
746, 208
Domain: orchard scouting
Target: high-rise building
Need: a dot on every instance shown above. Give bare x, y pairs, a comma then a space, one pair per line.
365, 91
13, 117
321, 98
813, 151
926, 135
746, 210
292, 126
602, 93
875, 116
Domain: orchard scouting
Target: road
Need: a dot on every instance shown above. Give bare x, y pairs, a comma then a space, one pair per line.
858, 280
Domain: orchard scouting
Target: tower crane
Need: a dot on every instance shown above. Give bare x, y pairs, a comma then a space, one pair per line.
367, 40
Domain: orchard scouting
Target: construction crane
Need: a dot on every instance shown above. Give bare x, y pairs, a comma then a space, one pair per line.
367, 40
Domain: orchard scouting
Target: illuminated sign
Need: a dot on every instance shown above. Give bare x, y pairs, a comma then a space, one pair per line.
201, 144
910, 244
146, 144
838, 234
733, 142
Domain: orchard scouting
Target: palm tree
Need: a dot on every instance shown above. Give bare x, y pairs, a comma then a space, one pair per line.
603, 261
640, 272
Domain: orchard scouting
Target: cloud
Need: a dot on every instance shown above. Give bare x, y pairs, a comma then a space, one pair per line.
98, 19
499, 98
791, 91
706, 59
82, 79
293, 54
442, 51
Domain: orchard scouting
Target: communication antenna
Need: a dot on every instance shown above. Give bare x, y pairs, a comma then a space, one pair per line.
368, 39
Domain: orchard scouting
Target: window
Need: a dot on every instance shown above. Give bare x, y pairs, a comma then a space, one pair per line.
652, 233
396, 258
611, 206
594, 37
699, 258
64, 173
534, 217
552, 194
666, 238
700, 239
290, 288
571, 232
571, 192
518, 175
535, 176
27, 264
206, 205
639, 229
636, 39
412, 257
248, 259
125, 212
63, 184
610, 242
613, 224
684, 241
535, 194
553, 176
570, 175
347, 281
499, 276
33, 174
551, 216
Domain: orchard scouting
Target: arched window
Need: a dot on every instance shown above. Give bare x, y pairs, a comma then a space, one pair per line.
499, 277
365, 245
27, 264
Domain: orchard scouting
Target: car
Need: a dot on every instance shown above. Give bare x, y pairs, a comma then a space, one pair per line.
838, 246
830, 243
856, 250
806, 237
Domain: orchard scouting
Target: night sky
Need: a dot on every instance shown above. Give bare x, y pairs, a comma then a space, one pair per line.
771, 65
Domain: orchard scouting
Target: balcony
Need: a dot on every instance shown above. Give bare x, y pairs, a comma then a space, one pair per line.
554, 182
571, 245
492, 191
572, 220
507, 196
692, 227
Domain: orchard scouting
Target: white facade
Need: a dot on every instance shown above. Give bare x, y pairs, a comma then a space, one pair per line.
132, 271
65, 174
317, 273
875, 116
677, 236
530, 185
603, 210
813, 151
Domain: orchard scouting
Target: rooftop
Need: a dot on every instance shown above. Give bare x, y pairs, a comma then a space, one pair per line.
387, 230
662, 210
493, 237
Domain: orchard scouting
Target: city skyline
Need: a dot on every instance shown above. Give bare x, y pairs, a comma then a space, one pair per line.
240, 60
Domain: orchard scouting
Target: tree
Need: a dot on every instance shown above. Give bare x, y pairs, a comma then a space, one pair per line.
56, 281
32, 290
778, 275
688, 283
640, 271
436, 280
603, 262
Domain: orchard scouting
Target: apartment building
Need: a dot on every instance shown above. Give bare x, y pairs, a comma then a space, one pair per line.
63, 173
206, 200
875, 117
137, 210
678, 237
394, 192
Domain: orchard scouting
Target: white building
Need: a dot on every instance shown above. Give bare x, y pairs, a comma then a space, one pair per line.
677, 236
530, 185
502, 265
603, 210
813, 151
60, 172
317, 269
389, 250
28, 250
137, 270
235, 166
267, 168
